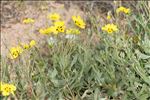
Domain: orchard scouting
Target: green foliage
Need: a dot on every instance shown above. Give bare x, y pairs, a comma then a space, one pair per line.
72, 70
115, 67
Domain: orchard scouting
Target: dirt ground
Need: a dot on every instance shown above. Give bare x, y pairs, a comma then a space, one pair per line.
12, 14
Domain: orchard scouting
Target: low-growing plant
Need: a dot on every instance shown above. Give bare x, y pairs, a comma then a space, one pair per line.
116, 66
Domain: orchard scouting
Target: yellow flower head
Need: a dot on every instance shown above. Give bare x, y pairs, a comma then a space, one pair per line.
123, 9
7, 89
19, 49
32, 43
54, 30
54, 16
49, 30
25, 46
59, 23
110, 28
78, 21
15, 52
127, 11
46, 31
59, 26
108, 17
28, 21
72, 31
13, 55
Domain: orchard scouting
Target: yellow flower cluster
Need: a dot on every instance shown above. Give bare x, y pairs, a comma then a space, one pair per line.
16, 51
53, 16
59, 26
123, 9
110, 28
72, 31
79, 21
28, 21
25, 45
7, 89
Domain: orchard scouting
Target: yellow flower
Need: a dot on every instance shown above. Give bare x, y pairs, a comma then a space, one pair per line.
54, 16
28, 21
25, 46
32, 43
59, 26
127, 11
123, 9
46, 31
13, 55
59, 23
110, 28
72, 31
78, 21
15, 52
19, 49
7, 89
108, 17
54, 30
1, 86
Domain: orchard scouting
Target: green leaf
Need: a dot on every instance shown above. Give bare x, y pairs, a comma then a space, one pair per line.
141, 56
